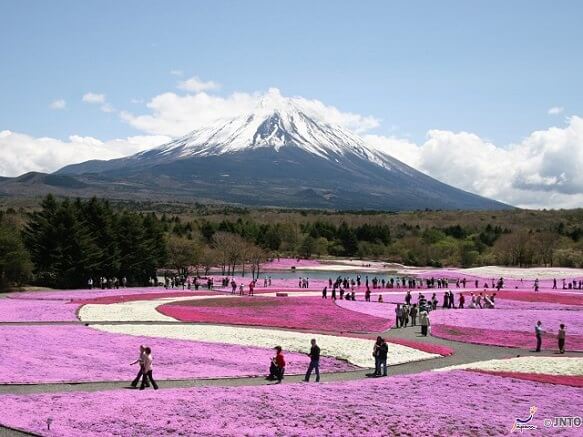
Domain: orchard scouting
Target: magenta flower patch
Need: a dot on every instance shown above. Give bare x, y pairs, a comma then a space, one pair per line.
305, 313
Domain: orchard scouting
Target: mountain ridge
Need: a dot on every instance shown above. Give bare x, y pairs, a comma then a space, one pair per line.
282, 153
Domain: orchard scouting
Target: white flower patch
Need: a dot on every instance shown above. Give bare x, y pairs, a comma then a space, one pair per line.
562, 366
357, 351
134, 311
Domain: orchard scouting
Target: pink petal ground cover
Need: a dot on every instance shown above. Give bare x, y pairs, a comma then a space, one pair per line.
453, 404
517, 339
375, 309
288, 263
425, 347
510, 283
306, 313
531, 296
106, 300
41, 354
26, 310
84, 293
570, 380
511, 320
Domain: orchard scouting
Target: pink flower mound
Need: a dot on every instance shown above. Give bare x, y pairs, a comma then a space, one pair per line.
288, 263
456, 403
307, 313
495, 337
511, 320
375, 309
106, 300
26, 310
41, 354
509, 283
425, 347
84, 293
531, 296
573, 381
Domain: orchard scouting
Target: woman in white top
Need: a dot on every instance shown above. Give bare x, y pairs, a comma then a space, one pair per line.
148, 370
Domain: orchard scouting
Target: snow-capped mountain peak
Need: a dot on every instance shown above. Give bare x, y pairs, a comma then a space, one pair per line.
275, 122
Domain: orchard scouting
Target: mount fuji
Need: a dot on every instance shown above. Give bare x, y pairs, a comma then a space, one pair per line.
282, 153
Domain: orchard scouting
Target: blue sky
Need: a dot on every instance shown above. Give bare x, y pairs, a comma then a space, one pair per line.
491, 68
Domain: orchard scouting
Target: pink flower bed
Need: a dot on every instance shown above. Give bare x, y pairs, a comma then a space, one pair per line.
84, 293
288, 263
26, 310
306, 313
425, 347
375, 309
456, 403
494, 337
106, 300
509, 283
511, 320
531, 296
41, 354
570, 380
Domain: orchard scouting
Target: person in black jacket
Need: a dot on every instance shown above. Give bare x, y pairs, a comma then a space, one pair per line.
314, 361
383, 352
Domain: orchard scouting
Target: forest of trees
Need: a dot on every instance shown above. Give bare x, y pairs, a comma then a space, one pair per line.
63, 242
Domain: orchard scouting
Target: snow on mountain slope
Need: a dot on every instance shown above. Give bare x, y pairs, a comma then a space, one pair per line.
276, 122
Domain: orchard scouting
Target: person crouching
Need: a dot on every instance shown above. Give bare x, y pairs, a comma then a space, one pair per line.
277, 367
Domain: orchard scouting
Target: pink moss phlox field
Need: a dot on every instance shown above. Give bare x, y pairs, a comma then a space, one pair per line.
425, 347
494, 337
512, 320
307, 313
288, 263
451, 404
531, 296
106, 300
26, 310
510, 283
570, 380
37, 354
67, 295
374, 309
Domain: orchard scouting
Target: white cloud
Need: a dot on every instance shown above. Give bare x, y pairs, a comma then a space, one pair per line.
93, 98
175, 115
197, 85
555, 110
22, 153
176, 72
58, 104
98, 99
545, 170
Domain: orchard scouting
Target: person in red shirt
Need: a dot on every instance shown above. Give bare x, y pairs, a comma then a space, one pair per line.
277, 368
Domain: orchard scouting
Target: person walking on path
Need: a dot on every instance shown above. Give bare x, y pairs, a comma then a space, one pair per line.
383, 353
140, 360
462, 300
538, 331
424, 322
148, 370
314, 361
398, 315
561, 337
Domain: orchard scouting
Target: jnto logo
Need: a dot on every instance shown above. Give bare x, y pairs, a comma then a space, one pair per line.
522, 424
